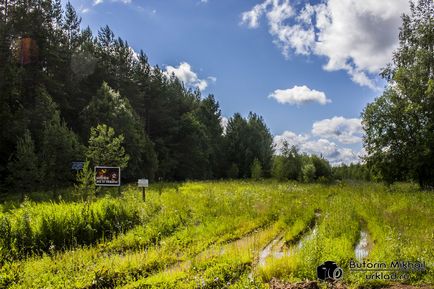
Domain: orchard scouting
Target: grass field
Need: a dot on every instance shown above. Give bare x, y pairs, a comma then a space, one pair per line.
236, 234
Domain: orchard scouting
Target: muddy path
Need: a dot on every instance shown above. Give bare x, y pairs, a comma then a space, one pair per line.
278, 247
278, 284
364, 244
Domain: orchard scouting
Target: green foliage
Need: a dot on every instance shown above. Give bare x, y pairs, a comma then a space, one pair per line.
106, 149
60, 146
308, 172
211, 234
279, 170
75, 80
45, 227
43, 111
24, 172
110, 108
247, 139
322, 167
233, 172
209, 115
290, 163
85, 187
193, 153
399, 124
352, 172
256, 170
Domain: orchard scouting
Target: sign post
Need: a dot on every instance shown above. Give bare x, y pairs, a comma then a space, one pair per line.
143, 183
77, 165
107, 176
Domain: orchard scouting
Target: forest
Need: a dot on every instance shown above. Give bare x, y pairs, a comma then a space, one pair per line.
69, 95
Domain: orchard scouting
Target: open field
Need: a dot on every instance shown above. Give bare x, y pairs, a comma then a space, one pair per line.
217, 235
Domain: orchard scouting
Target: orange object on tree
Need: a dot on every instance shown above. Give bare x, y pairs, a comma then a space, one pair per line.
26, 50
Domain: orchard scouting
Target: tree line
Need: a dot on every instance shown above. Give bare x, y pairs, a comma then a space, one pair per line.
67, 95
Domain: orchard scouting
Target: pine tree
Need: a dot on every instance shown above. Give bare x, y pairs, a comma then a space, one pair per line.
209, 115
85, 187
106, 149
24, 174
60, 146
71, 26
110, 108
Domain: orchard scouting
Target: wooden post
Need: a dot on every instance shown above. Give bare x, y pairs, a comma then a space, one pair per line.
143, 194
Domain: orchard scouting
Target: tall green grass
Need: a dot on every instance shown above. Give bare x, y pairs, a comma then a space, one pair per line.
36, 228
210, 234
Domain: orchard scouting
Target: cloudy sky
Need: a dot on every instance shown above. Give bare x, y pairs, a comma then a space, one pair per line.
308, 67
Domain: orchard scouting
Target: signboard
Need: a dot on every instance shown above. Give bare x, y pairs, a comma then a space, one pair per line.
107, 176
77, 166
143, 183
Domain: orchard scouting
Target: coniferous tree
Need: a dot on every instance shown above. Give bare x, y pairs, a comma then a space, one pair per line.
60, 147
169, 129
109, 107
24, 174
247, 139
85, 187
105, 148
235, 146
209, 115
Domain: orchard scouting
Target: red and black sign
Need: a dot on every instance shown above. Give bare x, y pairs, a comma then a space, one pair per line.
107, 176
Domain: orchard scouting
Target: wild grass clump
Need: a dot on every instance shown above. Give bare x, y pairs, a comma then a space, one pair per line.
47, 227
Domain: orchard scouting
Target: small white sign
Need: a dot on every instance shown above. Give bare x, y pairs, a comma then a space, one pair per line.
143, 183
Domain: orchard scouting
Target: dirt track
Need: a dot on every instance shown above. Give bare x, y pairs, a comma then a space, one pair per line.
276, 284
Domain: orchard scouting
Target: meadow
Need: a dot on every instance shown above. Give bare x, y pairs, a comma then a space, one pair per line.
223, 234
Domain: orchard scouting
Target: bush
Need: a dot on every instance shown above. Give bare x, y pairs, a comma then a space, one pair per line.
233, 172
256, 170
308, 172
85, 187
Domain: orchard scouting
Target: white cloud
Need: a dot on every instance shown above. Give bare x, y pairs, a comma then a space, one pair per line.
356, 36
84, 9
185, 74
306, 144
290, 137
97, 2
299, 95
345, 130
251, 18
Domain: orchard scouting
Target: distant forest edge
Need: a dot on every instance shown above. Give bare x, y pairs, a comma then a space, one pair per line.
67, 95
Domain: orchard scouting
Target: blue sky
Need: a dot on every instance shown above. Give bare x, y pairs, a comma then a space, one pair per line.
307, 67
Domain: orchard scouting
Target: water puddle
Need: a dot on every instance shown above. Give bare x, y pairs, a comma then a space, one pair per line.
363, 247
308, 237
275, 249
278, 249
